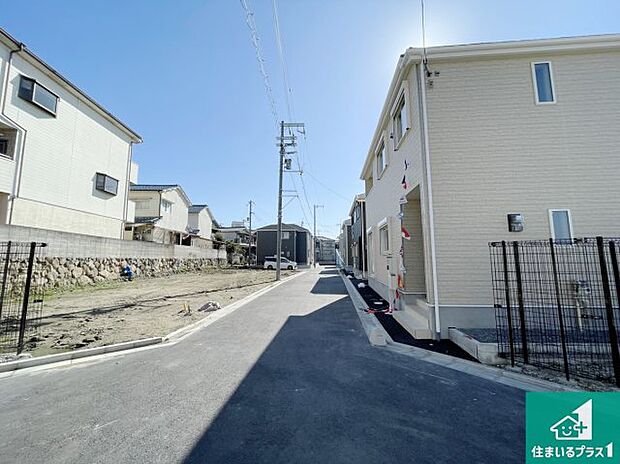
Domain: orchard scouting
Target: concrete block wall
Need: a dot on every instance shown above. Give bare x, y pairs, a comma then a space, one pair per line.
68, 245
74, 260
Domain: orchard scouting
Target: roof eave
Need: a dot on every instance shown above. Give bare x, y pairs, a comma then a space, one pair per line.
410, 56
508, 48
135, 137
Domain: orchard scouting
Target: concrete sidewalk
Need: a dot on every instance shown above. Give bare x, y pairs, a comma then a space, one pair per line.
289, 377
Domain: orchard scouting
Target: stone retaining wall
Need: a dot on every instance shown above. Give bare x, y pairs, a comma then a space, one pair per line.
64, 273
74, 260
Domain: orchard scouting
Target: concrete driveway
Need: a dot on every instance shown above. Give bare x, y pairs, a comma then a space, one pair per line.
287, 378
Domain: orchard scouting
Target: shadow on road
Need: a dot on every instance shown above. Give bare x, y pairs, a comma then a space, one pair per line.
321, 394
329, 286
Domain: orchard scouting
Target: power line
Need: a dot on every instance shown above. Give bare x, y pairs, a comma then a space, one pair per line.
287, 87
256, 42
255, 38
327, 187
288, 94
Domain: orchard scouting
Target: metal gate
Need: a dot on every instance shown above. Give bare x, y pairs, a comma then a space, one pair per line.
557, 304
21, 294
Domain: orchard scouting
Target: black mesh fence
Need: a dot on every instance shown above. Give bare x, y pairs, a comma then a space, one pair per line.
21, 294
557, 304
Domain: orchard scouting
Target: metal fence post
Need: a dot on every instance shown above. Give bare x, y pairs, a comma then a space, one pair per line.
508, 308
558, 301
5, 276
613, 335
515, 250
24, 316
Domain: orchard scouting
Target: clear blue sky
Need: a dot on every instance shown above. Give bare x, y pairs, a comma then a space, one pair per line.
184, 75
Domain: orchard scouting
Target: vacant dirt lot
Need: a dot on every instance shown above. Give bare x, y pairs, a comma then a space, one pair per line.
125, 311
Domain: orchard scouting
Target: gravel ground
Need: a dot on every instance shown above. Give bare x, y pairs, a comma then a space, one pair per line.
124, 311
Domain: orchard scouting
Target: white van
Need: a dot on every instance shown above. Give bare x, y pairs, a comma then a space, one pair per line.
270, 263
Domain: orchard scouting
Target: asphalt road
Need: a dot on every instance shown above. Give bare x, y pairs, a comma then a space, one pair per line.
287, 378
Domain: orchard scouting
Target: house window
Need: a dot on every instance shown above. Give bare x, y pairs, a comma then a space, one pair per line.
106, 184
4, 147
381, 159
400, 120
141, 205
560, 224
285, 235
166, 206
543, 82
384, 239
32, 91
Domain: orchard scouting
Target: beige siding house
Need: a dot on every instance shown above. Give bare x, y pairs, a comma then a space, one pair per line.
480, 132
65, 161
162, 213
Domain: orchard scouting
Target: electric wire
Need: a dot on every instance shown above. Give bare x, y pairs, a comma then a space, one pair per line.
255, 38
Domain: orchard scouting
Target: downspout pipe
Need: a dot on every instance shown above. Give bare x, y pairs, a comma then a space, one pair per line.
127, 176
363, 224
429, 190
19, 154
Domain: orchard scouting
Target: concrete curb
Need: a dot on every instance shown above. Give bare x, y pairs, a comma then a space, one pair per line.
486, 353
77, 354
512, 379
62, 359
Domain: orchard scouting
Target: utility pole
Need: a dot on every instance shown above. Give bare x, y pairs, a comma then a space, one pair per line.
279, 233
314, 241
285, 141
250, 239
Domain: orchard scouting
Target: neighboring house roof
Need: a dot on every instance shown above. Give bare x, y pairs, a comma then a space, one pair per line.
476, 51
358, 198
285, 227
152, 187
160, 188
234, 229
52, 73
322, 238
146, 219
198, 208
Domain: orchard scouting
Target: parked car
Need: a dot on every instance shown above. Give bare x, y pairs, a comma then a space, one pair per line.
270, 263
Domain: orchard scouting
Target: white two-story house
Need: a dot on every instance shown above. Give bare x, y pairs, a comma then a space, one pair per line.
487, 142
200, 226
161, 214
65, 161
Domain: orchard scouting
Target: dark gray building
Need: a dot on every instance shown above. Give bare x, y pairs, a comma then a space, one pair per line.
357, 241
296, 243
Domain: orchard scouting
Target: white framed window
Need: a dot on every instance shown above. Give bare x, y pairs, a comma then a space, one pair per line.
285, 236
542, 77
399, 119
166, 206
384, 238
560, 224
381, 161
